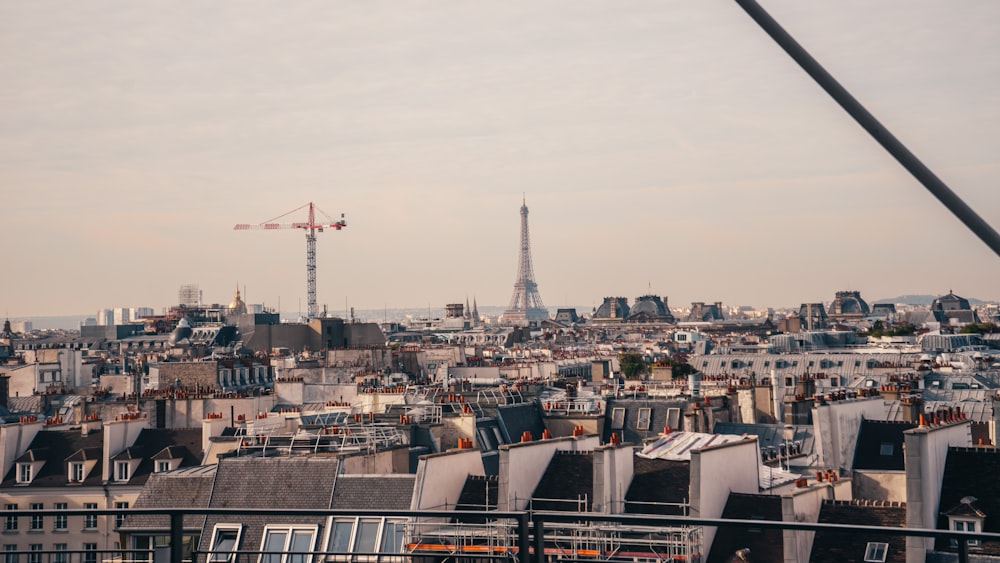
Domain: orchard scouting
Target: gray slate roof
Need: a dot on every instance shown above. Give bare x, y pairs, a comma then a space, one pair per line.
278, 482
183, 488
373, 492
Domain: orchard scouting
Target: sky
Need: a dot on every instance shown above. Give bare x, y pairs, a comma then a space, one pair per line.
665, 147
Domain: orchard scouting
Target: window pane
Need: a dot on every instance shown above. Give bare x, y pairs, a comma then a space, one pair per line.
274, 541
367, 535
340, 539
224, 545
392, 537
302, 541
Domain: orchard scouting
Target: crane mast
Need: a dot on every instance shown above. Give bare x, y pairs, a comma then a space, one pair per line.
310, 227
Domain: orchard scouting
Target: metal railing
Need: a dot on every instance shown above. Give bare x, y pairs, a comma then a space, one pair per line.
437, 535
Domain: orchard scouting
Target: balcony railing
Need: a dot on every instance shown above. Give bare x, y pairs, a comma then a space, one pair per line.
424, 536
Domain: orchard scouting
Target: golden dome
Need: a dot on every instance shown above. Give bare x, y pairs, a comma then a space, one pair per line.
238, 306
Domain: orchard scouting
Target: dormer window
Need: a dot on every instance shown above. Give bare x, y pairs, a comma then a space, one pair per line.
122, 472
76, 472
162, 466
966, 517
24, 473
966, 525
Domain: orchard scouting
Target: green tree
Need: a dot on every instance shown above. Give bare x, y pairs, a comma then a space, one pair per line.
977, 328
632, 365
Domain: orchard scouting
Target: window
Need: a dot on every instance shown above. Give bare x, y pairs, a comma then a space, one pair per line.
76, 472
964, 526
90, 553
120, 517
60, 553
364, 535
37, 522
617, 418
642, 422
90, 520
284, 544
340, 536
10, 524
10, 553
674, 417
876, 552
162, 466
367, 535
24, 473
885, 449
60, 519
121, 471
392, 536
36, 553
225, 540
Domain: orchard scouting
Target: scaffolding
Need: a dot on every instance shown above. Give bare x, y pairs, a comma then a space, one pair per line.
582, 541
332, 439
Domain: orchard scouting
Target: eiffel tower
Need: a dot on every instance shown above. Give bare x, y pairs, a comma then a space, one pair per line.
526, 303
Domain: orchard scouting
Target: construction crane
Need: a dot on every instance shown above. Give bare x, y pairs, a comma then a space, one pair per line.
310, 227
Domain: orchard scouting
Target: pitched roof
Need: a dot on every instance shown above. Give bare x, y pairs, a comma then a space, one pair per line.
480, 492
836, 546
373, 492
658, 486
764, 544
183, 441
880, 445
567, 484
274, 482
658, 417
182, 488
515, 419
972, 472
62, 446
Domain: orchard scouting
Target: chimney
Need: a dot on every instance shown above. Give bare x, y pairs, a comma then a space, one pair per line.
5, 391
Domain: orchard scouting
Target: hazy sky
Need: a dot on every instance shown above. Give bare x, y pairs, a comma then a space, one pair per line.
666, 145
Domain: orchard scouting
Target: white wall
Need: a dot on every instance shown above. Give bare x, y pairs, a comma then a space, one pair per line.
211, 428
925, 449
440, 478
190, 412
14, 441
118, 435
718, 470
880, 485
613, 470
522, 466
836, 426
23, 380
803, 505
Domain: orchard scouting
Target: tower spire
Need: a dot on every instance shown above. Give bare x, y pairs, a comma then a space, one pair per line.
526, 303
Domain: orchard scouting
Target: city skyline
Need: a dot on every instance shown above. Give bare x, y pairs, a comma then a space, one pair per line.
670, 149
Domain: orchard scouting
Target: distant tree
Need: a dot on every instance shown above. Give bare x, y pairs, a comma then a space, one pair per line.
878, 329
978, 328
632, 365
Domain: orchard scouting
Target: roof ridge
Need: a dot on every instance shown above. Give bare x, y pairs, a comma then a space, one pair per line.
868, 503
974, 449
